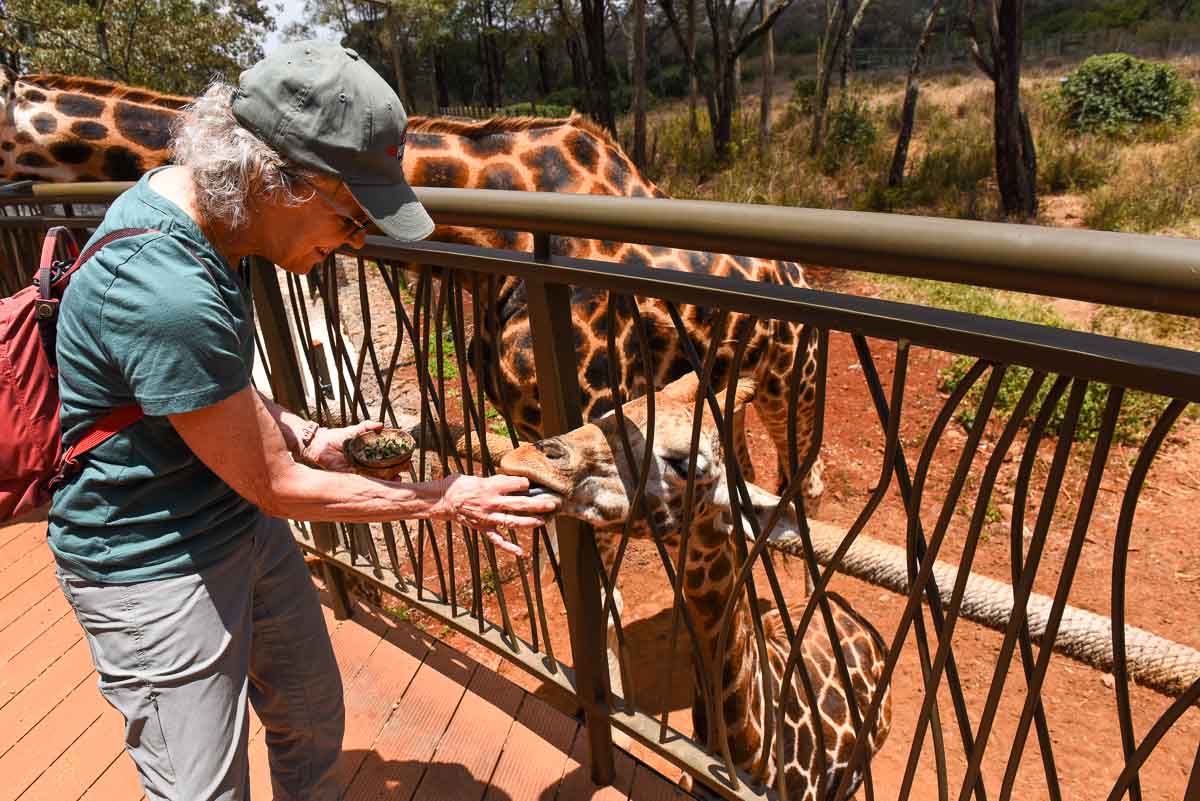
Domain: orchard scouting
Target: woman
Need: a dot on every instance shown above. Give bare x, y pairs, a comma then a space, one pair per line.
169, 541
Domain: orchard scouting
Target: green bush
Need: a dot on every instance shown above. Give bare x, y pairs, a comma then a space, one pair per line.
1116, 92
848, 137
803, 92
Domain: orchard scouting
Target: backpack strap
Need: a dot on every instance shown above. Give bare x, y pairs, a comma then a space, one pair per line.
47, 312
105, 429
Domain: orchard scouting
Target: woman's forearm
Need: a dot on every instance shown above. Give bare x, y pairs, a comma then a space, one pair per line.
302, 493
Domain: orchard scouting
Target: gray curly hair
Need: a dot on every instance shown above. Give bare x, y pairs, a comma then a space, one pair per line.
229, 163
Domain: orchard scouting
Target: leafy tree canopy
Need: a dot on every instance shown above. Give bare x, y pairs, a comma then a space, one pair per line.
175, 46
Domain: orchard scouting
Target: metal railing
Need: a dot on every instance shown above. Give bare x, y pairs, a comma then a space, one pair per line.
396, 322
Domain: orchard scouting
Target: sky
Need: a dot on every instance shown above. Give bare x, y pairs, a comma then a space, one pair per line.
286, 11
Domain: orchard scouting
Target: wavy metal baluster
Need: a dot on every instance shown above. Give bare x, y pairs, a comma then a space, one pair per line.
1133, 491
932, 591
919, 585
983, 498
1083, 516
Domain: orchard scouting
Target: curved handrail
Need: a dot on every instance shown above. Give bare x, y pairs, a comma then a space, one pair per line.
1156, 273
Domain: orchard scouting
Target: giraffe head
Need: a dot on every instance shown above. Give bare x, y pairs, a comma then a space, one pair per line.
588, 467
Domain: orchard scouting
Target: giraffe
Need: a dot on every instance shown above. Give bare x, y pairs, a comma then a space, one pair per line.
588, 470
68, 128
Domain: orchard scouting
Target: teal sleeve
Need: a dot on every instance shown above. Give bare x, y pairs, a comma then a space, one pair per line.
170, 331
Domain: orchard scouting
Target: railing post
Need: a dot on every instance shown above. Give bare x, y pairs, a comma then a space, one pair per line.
558, 391
288, 390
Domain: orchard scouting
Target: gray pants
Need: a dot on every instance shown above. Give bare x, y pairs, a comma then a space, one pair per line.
180, 657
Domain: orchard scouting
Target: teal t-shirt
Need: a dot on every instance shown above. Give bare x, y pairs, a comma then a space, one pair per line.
163, 321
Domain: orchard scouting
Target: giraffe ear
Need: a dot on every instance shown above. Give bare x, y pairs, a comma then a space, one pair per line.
682, 389
747, 388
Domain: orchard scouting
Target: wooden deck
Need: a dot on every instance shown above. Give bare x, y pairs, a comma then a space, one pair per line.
423, 721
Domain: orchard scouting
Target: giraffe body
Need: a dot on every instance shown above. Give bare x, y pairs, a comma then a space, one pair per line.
587, 468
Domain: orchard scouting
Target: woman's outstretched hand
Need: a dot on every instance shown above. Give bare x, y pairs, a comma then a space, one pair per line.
488, 505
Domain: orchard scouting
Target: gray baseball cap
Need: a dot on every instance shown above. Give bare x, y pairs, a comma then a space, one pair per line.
319, 105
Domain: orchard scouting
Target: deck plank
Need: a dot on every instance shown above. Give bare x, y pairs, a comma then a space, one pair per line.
577, 776
370, 700
11, 531
393, 768
83, 763
25, 597
468, 753
31, 661
32, 624
119, 782
28, 707
19, 540
44, 743
24, 568
535, 755
650, 785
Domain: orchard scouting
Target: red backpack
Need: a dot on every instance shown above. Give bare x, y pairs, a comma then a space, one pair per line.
31, 457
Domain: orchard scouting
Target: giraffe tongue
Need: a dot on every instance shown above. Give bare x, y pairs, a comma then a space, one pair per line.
537, 490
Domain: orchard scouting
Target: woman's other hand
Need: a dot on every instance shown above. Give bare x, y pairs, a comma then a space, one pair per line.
488, 505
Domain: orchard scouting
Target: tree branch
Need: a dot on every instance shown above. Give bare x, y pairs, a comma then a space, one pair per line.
757, 31
972, 31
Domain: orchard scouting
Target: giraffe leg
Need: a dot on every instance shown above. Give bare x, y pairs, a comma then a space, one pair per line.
773, 412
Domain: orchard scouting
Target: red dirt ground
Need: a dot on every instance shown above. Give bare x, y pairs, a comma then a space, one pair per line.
1163, 589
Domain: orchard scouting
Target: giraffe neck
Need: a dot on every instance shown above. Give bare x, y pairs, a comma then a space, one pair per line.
708, 585
63, 128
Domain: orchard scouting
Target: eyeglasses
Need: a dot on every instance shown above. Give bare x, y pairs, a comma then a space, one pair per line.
355, 225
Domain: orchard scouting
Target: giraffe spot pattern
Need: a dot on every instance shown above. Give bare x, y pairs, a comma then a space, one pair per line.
71, 152
34, 96
550, 170
442, 171
74, 105
486, 147
122, 164
87, 129
581, 148
44, 123
142, 125
617, 173
502, 176
33, 160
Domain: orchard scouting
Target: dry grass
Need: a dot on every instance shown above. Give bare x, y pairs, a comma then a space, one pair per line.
1147, 184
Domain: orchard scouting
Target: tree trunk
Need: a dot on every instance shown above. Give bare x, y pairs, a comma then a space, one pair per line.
545, 69
768, 82
831, 42
851, 37
639, 83
907, 115
593, 26
1016, 160
911, 91
693, 79
403, 89
441, 87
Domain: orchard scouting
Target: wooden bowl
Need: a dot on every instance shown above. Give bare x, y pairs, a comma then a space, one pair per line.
380, 449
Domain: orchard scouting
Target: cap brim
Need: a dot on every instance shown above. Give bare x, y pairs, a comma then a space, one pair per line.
395, 209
